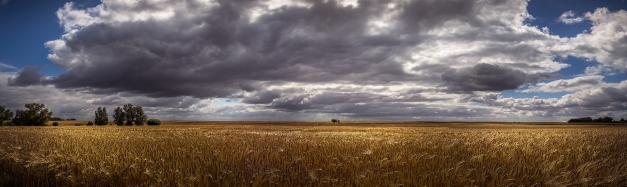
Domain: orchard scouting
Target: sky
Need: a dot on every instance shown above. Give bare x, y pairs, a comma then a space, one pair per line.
313, 60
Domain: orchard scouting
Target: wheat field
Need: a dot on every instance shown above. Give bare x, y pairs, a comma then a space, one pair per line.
180, 153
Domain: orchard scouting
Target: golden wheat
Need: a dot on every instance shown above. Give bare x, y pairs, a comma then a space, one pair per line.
303, 154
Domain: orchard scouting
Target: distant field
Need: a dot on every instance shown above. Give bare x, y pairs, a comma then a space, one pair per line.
180, 153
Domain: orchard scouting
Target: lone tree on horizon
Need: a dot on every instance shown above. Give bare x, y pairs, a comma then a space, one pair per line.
36, 114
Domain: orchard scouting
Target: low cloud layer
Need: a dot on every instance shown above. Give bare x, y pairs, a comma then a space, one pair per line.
311, 59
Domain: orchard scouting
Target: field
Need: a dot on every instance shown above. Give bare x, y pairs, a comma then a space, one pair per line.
181, 153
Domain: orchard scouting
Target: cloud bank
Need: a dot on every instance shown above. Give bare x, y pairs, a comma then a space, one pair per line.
392, 60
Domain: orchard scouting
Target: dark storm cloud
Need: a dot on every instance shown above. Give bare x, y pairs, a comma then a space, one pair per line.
424, 15
262, 97
488, 77
221, 51
29, 75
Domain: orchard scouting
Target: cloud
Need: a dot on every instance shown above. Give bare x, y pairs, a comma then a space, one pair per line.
262, 97
27, 76
607, 40
606, 98
594, 101
569, 18
4, 2
81, 103
488, 77
209, 50
569, 85
312, 59
599, 70
6, 66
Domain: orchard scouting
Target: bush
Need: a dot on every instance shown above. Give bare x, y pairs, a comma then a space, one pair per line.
89, 123
56, 119
8, 123
154, 122
55, 124
78, 124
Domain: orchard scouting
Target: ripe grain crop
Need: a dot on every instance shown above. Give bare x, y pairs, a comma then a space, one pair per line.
302, 154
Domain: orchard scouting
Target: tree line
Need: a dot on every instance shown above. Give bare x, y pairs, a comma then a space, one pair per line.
600, 119
36, 114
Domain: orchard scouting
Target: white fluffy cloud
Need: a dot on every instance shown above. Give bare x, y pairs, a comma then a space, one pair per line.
570, 17
607, 40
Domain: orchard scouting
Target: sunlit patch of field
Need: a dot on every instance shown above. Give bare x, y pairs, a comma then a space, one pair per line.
180, 153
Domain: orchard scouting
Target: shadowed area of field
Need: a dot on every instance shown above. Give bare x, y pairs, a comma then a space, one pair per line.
189, 153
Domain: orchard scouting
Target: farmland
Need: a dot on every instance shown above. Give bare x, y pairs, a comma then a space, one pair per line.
180, 153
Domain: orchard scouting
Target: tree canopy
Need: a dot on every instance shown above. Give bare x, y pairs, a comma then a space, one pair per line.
36, 114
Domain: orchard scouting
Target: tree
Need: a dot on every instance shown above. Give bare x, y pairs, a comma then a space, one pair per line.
36, 114
130, 113
118, 116
140, 117
622, 120
102, 118
5, 114
586, 119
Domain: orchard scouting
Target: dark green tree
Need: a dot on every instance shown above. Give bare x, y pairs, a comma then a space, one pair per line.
102, 118
5, 114
118, 116
36, 114
130, 114
140, 117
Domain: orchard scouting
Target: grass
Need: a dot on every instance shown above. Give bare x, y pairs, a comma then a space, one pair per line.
180, 153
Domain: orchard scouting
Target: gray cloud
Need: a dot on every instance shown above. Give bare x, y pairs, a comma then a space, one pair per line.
606, 98
569, 85
311, 59
488, 77
217, 53
220, 50
27, 76
262, 97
